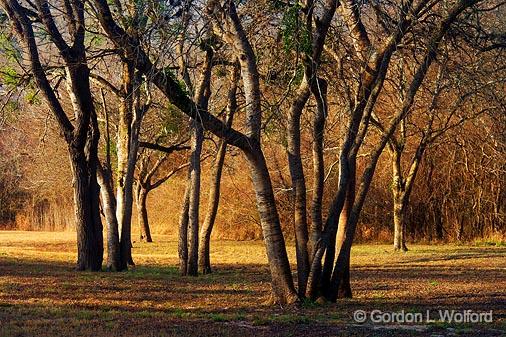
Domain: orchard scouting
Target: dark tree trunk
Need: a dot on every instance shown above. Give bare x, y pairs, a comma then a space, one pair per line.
438, 220
88, 225
183, 231
84, 158
142, 214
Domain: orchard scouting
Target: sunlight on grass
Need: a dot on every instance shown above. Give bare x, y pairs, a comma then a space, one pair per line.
38, 285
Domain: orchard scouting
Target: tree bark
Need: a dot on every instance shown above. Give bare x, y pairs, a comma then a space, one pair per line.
104, 176
398, 191
84, 167
212, 210
183, 231
142, 214
282, 282
194, 199
320, 93
88, 224
125, 172
399, 226
214, 190
298, 185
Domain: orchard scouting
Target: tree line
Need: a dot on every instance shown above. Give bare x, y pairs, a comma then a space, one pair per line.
142, 90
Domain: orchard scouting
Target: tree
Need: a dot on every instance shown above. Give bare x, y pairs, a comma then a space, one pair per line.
214, 188
82, 136
146, 173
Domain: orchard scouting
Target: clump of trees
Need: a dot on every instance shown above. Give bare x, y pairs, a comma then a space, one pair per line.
310, 86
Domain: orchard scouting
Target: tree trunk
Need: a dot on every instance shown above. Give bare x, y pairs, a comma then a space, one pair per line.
84, 158
212, 210
318, 283
344, 286
183, 232
282, 282
114, 262
399, 225
88, 225
125, 172
142, 214
298, 186
320, 93
398, 191
214, 190
194, 199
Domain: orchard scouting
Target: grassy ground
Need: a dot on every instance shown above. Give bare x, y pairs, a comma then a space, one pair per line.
41, 295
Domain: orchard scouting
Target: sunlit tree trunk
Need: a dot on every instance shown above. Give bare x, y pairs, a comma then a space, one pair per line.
399, 195
282, 282
104, 176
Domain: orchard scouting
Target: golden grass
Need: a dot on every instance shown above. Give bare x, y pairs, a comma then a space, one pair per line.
40, 294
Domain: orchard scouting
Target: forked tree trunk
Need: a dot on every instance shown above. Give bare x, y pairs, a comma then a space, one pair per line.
81, 137
402, 188
318, 283
343, 287
84, 168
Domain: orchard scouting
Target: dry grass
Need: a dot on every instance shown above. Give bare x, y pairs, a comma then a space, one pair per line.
40, 294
